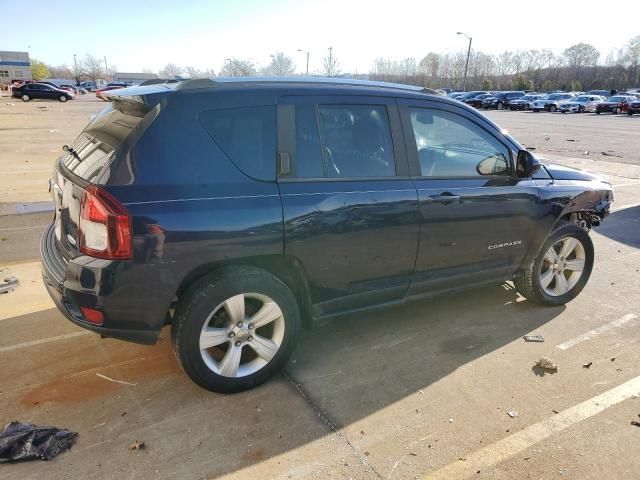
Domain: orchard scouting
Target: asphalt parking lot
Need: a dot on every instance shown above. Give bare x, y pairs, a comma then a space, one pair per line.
418, 391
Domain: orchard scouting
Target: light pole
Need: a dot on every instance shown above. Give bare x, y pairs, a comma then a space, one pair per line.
75, 67
307, 53
466, 67
330, 69
230, 70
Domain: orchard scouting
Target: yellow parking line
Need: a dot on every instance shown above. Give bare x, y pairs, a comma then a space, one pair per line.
501, 450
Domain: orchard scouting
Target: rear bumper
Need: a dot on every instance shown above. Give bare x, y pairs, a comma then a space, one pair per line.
88, 282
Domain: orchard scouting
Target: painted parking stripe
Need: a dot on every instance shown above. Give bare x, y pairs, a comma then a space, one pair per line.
629, 317
501, 450
42, 341
615, 208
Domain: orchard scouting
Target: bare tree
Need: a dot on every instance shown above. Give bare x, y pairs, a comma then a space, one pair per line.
330, 65
61, 71
235, 67
192, 72
430, 65
170, 71
281, 66
631, 57
91, 68
581, 55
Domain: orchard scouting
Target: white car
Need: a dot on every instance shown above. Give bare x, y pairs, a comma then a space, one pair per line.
582, 103
551, 102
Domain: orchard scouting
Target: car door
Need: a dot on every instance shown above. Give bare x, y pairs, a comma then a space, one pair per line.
476, 217
350, 208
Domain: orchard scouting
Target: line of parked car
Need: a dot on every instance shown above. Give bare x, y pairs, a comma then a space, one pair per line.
594, 101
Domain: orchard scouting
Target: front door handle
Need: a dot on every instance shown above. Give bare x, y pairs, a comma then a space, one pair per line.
445, 199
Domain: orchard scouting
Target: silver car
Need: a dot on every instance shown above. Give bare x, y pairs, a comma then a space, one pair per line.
582, 103
551, 102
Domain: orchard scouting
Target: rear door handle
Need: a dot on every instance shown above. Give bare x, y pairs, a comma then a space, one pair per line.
445, 199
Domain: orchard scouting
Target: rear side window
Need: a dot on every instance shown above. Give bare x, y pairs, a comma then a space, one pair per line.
247, 135
96, 146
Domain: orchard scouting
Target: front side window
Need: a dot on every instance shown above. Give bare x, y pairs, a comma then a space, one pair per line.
356, 141
449, 145
247, 135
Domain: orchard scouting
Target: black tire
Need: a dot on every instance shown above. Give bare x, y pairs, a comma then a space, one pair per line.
500, 106
598, 112
527, 280
63, 98
553, 108
614, 111
25, 97
581, 109
200, 301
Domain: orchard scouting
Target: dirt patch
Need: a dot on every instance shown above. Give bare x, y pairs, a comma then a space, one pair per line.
77, 388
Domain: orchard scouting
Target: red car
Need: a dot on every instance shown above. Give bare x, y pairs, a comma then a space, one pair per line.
615, 104
110, 86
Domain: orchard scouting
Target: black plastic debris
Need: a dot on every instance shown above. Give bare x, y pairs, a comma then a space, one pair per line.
25, 441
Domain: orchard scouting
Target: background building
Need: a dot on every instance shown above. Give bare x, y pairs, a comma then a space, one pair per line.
14, 66
133, 78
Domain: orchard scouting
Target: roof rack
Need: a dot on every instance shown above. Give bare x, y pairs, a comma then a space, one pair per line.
208, 83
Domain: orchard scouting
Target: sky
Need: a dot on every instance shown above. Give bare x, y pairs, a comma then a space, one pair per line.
135, 35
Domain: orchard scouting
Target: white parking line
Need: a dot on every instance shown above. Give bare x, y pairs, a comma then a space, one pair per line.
597, 331
501, 450
42, 341
623, 207
625, 184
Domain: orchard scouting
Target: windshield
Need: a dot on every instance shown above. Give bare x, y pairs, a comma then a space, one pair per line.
616, 99
582, 99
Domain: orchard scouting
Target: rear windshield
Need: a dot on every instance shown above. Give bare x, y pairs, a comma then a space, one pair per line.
109, 133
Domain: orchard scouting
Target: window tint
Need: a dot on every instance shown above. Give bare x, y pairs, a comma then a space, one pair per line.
357, 141
247, 135
307, 158
449, 145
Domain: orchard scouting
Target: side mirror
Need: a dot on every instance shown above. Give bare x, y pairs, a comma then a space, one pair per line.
65, 148
526, 164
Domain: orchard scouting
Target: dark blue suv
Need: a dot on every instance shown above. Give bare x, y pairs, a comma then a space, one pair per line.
235, 210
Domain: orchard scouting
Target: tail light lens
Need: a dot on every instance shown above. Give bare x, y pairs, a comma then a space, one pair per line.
105, 226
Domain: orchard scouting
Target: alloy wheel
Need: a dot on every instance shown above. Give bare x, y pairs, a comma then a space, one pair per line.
242, 335
562, 266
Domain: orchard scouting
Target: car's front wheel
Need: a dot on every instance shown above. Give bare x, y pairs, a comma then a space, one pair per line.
553, 108
235, 329
63, 98
560, 270
25, 97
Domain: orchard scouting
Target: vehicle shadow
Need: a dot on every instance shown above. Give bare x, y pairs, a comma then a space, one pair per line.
360, 364
622, 226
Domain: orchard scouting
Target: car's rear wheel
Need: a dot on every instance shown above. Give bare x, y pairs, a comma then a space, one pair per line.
235, 329
553, 108
25, 97
614, 111
63, 98
500, 106
560, 270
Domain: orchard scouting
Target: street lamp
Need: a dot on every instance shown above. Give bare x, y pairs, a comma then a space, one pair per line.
466, 68
230, 70
307, 53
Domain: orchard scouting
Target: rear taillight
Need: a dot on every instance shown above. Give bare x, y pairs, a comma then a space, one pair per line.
105, 226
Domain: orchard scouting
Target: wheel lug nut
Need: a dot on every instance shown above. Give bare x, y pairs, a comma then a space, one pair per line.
231, 334
238, 343
251, 326
239, 324
250, 338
